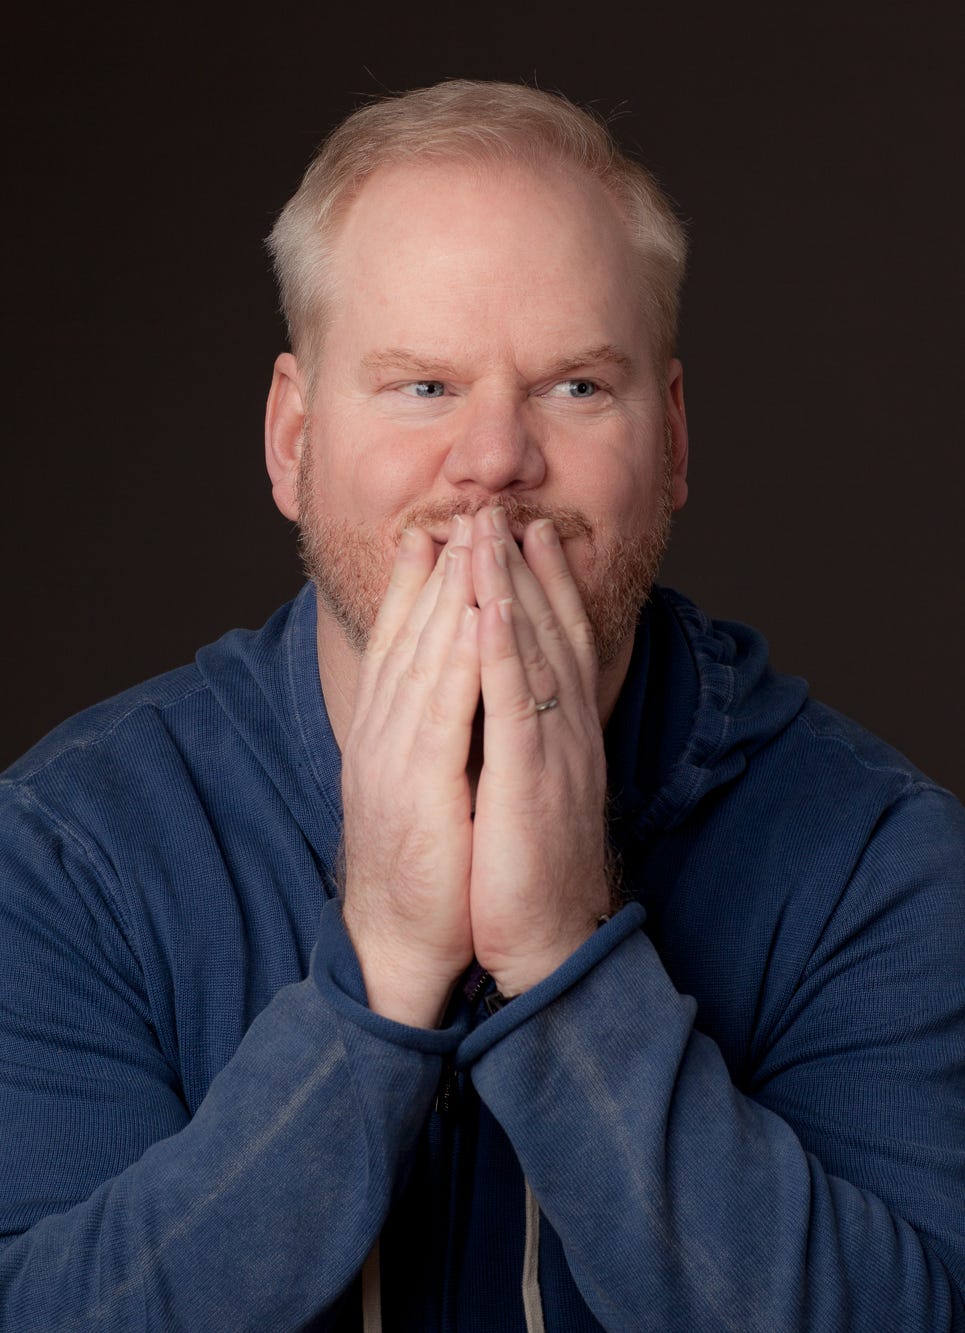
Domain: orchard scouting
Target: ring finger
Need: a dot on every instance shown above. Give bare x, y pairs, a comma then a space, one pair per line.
538, 680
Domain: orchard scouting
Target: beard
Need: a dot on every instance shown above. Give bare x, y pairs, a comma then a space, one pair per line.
350, 566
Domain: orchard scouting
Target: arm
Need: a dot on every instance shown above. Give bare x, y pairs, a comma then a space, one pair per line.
832, 1197
122, 1211
119, 1212
681, 1200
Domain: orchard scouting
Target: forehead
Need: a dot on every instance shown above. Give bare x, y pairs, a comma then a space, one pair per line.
484, 254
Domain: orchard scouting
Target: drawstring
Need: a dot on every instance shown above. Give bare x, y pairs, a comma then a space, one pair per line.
372, 1293
532, 1301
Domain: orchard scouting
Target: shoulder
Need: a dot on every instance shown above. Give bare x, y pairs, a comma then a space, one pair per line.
90, 761
161, 728
105, 724
135, 760
791, 832
753, 720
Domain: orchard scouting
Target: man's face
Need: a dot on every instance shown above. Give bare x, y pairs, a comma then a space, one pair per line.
485, 341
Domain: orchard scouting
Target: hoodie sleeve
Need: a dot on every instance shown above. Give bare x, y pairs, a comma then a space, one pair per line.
120, 1212
833, 1196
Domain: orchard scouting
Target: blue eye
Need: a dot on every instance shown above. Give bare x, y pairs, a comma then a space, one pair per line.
425, 389
575, 389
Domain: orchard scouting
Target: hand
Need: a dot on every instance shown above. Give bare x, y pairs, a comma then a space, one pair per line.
405, 790
539, 881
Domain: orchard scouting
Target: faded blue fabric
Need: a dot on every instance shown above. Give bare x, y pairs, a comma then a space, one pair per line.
740, 1104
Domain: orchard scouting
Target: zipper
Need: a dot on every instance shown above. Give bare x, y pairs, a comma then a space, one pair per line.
444, 1174
475, 983
447, 1093
445, 1148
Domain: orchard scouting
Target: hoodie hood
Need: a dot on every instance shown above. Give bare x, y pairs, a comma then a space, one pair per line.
739, 704
698, 701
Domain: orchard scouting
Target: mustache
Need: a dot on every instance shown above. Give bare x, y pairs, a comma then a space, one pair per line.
567, 521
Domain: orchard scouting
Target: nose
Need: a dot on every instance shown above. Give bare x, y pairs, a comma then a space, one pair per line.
496, 448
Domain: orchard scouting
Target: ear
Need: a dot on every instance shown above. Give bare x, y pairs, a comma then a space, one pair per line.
677, 425
285, 416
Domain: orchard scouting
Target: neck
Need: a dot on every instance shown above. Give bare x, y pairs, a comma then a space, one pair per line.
338, 668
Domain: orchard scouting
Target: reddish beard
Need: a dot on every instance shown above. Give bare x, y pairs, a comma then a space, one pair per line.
350, 565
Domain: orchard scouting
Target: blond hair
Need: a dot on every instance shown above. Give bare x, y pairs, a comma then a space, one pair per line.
479, 123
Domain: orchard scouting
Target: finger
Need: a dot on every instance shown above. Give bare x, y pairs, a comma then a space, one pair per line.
494, 583
412, 592
546, 560
513, 733
417, 687
445, 731
545, 636
411, 569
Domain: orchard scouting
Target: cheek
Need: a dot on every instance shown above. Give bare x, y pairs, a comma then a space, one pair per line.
395, 470
621, 491
367, 473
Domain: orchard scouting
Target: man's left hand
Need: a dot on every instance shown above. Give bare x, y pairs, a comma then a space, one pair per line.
538, 884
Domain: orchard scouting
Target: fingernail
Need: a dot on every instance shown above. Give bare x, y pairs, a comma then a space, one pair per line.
469, 614
460, 529
547, 532
505, 605
500, 522
499, 554
408, 538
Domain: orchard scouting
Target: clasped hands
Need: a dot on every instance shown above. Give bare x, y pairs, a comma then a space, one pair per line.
521, 882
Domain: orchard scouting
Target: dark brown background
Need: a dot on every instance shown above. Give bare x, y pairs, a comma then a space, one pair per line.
817, 154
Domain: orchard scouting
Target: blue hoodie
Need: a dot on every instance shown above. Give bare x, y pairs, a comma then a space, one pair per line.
740, 1105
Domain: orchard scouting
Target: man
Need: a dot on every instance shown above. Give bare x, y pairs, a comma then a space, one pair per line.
637, 998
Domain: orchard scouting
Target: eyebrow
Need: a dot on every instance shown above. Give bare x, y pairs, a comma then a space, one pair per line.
607, 354
402, 358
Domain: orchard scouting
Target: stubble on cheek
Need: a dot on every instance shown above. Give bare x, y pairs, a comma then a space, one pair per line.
350, 566
350, 571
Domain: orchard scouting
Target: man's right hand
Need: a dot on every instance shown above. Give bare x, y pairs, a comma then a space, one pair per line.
405, 790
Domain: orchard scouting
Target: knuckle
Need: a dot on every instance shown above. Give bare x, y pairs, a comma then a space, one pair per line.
548, 627
560, 576
582, 636
399, 651
437, 715
536, 661
380, 641
417, 676
520, 708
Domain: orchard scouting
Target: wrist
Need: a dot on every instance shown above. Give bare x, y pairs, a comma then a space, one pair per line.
514, 977
401, 986
415, 1006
